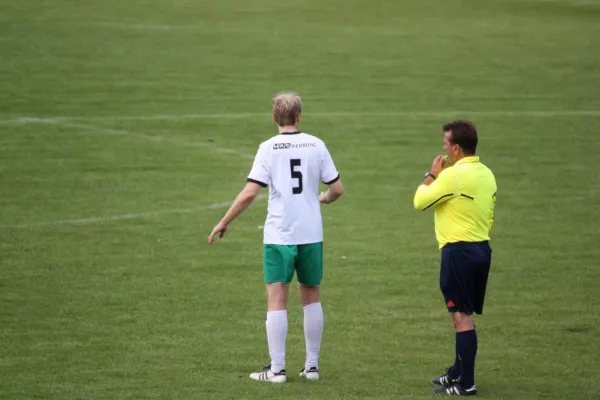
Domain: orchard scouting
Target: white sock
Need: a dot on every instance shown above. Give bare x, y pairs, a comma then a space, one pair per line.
313, 332
277, 327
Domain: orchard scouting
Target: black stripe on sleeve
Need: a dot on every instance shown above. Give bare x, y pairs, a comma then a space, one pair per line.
444, 196
467, 196
337, 178
257, 182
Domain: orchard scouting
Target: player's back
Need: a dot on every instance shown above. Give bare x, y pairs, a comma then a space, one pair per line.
292, 164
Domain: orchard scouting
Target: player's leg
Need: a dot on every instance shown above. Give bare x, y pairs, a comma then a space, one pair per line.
309, 267
278, 264
309, 294
277, 323
313, 329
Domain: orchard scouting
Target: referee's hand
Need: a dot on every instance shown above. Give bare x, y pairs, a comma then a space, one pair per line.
438, 165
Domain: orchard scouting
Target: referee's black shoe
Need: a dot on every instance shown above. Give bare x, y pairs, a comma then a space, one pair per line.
446, 380
456, 390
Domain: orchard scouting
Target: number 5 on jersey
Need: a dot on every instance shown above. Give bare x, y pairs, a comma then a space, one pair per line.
295, 162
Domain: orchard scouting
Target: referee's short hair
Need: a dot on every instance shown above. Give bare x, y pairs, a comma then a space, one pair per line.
464, 134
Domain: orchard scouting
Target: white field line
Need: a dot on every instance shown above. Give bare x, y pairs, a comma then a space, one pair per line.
65, 122
91, 220
107, 131
575, 2
407, 114
152, 138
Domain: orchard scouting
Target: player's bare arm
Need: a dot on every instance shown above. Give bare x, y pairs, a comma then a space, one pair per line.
335, 190
242, 201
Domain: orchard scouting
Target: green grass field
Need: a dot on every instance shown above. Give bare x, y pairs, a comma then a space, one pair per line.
127, 126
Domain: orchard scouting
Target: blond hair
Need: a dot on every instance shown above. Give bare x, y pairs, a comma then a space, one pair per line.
286, 108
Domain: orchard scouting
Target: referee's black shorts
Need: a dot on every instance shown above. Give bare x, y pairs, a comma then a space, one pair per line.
464, 275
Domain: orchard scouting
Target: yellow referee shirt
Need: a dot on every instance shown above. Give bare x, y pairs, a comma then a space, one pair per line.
464, 196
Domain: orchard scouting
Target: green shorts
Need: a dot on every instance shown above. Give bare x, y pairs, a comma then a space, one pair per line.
280, 261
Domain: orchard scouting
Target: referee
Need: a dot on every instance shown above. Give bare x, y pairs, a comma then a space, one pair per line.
463, 196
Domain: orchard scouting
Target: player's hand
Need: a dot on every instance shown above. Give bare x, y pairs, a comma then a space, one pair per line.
220, 229
323, 198
437, 166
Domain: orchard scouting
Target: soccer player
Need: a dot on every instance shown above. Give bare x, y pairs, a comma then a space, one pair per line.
463, 196
291, 164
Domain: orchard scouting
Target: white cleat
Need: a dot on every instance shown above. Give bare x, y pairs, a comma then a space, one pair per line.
269, 376
312, 374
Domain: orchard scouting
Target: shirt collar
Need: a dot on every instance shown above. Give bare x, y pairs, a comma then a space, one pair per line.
469, 159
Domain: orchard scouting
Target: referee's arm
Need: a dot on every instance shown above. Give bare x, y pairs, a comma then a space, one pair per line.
437, 192
491, 218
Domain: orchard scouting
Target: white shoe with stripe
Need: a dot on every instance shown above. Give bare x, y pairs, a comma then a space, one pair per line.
269, 376
312, 374
456, 390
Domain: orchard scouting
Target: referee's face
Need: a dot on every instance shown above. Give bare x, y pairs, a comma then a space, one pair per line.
450, 149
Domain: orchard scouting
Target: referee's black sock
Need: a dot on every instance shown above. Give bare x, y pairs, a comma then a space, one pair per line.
466, 343
454, 371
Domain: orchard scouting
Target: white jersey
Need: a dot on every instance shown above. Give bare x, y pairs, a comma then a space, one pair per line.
292, 164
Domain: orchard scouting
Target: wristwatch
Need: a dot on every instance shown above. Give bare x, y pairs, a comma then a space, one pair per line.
431, 175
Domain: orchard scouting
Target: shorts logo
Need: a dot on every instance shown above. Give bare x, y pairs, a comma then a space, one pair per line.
450, 304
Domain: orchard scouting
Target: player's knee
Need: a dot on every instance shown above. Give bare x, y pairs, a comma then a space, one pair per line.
277, 292
276, 303
309, 295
